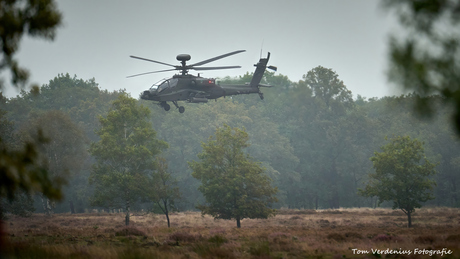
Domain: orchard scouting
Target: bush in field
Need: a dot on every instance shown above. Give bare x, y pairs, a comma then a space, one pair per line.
130, 231
453, 238
353, 235
336, 236
425, 239
386, 238
218, 239
184, 237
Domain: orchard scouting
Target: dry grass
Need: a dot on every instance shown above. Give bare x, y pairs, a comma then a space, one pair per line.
290, 234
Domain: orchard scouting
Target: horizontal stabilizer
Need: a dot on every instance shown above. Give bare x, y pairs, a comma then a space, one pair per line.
272, 68
263, 85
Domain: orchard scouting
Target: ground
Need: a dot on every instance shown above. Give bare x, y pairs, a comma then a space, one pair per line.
349, 233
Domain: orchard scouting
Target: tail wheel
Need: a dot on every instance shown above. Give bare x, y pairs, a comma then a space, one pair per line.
181, 109
261, 95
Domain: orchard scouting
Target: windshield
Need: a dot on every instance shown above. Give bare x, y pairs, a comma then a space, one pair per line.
160, 85
163, 84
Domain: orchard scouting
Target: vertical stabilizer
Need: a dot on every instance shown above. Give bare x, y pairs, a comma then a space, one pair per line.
260, 69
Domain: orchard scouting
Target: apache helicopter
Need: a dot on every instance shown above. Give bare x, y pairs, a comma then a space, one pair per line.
196, 89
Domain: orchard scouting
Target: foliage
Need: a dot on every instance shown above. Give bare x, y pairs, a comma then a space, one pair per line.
124, 155
426, 60
39, 18
22, 168
163, 189
326, 86
22, 205
401, 175
82, 101
66, 149
66, 152
234, 185
318, 116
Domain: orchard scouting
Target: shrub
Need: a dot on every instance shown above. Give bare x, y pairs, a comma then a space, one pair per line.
218, 239
386, 238
184, 237
354, 235
260, 248
130, 231
323, 222
277, 235
425, 239
331, 212
295, 212
336, 236
217, 231
453, 238
205, 250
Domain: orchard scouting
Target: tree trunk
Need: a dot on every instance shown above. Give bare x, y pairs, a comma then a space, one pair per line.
72, 208
238, 223
127, 219
335, 200
2, 234
47, 206
166, 212
316, 202
454, 194
409, 219
127, 208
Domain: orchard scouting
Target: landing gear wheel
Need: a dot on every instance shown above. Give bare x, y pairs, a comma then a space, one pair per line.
181, 109
166, 106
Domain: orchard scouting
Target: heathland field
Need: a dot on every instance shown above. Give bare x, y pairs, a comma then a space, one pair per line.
352, 233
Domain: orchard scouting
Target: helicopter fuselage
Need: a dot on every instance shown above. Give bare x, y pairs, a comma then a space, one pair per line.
193, 89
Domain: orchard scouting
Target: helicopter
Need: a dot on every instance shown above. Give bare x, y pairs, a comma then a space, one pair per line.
196, 89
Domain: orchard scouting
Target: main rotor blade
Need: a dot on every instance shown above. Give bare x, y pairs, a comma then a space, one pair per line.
216, 58
150, 60
213, 68
151, 72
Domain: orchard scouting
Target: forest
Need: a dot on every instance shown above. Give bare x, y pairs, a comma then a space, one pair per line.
314, 138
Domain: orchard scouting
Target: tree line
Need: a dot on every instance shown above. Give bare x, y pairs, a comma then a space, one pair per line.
313, 139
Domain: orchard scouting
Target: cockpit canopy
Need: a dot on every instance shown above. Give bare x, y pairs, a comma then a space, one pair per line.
163, 84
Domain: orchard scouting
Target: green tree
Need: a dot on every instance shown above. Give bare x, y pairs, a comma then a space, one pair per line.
165, 191
426, 60
21, 171
402, 175
22, 205
64, 153
124, 155
235, 186
83, 101
318, 122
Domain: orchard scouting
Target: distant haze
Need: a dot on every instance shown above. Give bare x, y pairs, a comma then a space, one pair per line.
97, 38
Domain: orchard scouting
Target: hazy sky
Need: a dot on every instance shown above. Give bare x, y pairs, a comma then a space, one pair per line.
98, 36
